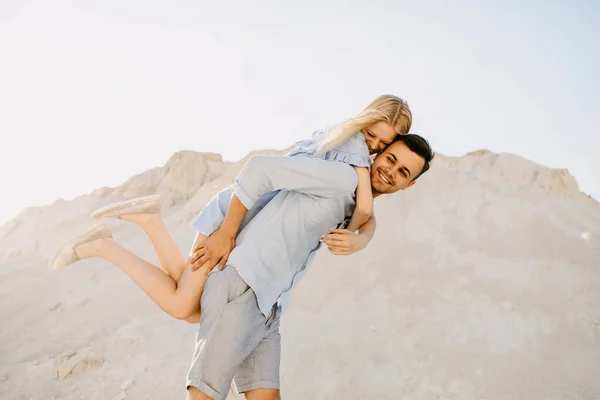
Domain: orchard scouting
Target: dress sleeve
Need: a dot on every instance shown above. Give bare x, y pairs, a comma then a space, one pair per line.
307, 146
353, 151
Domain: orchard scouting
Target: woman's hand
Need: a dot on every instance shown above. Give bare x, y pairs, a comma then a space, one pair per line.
342, 242
215, 250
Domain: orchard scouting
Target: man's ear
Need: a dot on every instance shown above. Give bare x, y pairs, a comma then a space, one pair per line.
410, 184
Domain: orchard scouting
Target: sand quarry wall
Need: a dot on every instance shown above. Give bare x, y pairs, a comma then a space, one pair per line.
482, 282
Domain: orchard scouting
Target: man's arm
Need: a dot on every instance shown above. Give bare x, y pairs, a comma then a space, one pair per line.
211, 217
263, 174
217, 247
313, 176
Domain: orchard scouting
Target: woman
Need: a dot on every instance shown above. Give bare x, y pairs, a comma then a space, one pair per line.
177, 286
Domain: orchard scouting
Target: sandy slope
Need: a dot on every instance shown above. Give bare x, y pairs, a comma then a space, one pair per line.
482, 282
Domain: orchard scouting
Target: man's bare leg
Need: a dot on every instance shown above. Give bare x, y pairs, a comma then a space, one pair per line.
195, 394
263, 394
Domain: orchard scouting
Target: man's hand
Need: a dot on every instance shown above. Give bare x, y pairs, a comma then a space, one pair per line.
215, 250
342, 242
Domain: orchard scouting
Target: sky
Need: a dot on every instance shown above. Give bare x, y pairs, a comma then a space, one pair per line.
94, 92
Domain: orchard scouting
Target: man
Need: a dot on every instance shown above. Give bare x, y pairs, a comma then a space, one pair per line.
238, 336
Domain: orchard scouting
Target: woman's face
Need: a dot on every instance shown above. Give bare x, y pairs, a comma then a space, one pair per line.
378, 136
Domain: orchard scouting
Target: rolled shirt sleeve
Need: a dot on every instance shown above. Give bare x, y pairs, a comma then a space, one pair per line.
212, 215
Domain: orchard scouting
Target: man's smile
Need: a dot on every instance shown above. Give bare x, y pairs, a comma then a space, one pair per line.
383, 177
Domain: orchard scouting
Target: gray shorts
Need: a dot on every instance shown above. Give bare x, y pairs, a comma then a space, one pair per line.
235, 341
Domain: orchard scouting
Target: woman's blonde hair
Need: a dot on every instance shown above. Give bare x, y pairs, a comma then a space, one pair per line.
388, 108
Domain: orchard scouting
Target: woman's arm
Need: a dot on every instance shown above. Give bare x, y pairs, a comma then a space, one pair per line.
364, 200
343, 242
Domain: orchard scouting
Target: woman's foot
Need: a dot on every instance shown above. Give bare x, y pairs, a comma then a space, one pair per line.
83, 246
134, 210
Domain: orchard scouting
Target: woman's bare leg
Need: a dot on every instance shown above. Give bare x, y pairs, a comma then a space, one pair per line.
179, 299
172, 262
194, 318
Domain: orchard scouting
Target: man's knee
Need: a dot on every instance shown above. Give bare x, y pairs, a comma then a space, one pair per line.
263, 394
195, 394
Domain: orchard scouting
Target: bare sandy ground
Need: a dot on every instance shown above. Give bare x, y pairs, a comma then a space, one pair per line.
482, 282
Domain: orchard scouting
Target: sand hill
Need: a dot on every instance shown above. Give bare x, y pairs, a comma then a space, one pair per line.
482, 282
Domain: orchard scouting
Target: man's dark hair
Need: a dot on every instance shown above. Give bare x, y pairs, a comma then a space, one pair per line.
418, 145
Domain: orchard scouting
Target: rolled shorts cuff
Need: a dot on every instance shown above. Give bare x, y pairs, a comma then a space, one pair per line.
204, 388
257, 385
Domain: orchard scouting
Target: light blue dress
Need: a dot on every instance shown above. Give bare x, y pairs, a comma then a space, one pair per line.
353, 151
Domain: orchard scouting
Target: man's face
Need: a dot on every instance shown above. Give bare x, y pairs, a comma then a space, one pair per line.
395, 169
